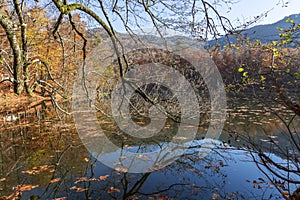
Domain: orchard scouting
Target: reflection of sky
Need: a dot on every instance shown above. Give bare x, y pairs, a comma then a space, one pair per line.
232, 178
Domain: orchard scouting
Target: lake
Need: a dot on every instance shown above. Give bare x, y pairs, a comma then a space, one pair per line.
43, 157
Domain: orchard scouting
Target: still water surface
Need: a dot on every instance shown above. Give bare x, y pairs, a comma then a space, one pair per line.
43, 155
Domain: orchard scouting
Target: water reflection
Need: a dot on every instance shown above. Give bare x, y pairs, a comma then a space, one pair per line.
45, 158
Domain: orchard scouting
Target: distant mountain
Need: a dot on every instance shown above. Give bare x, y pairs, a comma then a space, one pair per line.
265, 33
153, 39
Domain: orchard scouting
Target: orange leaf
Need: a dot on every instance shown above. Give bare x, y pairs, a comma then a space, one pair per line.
73, 188
81, 180
112, 189
215, 196
81, 189
22, 188
121, 169
55, 180
103, 178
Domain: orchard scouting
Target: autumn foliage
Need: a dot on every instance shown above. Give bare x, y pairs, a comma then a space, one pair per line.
48, 60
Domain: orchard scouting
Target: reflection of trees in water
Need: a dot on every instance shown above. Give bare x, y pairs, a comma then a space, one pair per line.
55, 151
279, 136
56, 147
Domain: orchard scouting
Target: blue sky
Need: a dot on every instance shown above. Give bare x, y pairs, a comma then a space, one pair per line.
247, 9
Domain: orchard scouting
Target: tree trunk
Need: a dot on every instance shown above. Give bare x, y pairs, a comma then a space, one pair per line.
11, 32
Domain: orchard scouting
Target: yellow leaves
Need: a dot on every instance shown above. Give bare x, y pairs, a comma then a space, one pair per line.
240, 69
283, 42
275, 52
279, 28
262, 78
86, 159
282, 88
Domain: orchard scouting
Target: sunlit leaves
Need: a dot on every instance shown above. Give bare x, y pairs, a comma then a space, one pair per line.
240, 69
275, 52
262, 78
296, 75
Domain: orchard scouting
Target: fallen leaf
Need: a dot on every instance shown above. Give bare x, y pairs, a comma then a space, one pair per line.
55, 180
22, 188
103, 178
81, 189
121, 169
215, 196
73, 188
51, 170
81, 180
112, 189
30, 172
